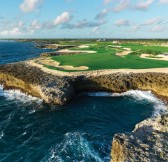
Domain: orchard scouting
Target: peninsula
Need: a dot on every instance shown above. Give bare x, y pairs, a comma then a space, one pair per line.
75, 67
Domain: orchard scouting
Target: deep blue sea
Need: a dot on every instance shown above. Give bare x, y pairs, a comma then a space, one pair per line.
81, 131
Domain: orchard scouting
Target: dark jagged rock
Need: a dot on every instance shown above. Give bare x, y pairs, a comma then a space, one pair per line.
58, 53
55, 46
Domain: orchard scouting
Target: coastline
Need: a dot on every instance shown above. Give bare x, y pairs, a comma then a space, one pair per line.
56, 87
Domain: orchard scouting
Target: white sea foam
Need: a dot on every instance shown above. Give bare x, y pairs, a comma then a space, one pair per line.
75, 144
19, 96
140, 96
1, 134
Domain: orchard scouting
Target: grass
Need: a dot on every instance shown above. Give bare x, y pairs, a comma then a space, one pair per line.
105, 58
139, 47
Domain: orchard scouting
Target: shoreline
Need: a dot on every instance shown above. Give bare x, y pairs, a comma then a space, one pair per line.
96, 72
56, 87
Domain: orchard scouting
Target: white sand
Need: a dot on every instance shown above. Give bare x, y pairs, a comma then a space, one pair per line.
76, 51
50, 62
160, 57
124, 53
83, 46
95, 72
127, 49
115, 46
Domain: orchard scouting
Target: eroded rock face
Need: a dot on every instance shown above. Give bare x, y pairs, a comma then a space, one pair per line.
121, 82
147, 143
32, 80
58, 89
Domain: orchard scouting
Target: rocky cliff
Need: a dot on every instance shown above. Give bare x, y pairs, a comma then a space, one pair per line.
121, 82
57, 89
147, 143
32, 80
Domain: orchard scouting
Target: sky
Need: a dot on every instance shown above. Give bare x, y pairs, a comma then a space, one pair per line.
84, 19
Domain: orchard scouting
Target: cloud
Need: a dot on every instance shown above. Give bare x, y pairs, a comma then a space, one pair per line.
13, 32
84, 24
163, 1
123, 4
35, 25
133, 28
122, 22
62, 19
159, 28
96, 30
30, 5
15, 28
107, 1
102, 14
143, 4
152, 21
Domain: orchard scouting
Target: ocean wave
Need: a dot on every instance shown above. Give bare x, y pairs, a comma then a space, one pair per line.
1, 135
74, 147
5, 123
18, 96
159, 106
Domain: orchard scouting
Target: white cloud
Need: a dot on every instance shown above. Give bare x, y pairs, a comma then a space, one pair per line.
13, 32
102, 14
30, 5
163, 1
96, 30
144, 4
35, 25
133, 28
122, 22
159, 28
20, 24
123, 4
62, 19
152, 21
107, 1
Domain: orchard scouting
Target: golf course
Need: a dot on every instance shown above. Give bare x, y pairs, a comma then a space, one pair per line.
106, 55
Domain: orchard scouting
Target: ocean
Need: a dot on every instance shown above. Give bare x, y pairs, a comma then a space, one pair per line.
81, 131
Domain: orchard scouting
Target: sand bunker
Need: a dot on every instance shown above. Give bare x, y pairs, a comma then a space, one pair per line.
83, 46
76, 51
158, 57
127, 49
50, 62
124, 53
114, 46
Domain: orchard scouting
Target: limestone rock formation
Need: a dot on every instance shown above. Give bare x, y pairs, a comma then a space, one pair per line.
32, 80
147, 143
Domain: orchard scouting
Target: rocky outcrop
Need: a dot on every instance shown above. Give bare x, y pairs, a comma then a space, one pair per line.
122, 82
32, 80
147, 143
55, 46
58, 53
53, 88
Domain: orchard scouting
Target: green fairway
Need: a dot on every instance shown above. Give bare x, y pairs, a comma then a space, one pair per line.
105, 58
146, 49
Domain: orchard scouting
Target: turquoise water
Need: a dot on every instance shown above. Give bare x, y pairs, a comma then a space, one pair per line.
80, 131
